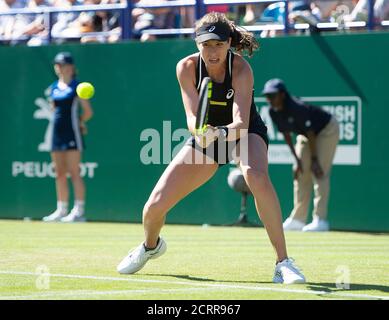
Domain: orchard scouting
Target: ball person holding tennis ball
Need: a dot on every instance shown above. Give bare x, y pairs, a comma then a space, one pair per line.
232, 118
67, 141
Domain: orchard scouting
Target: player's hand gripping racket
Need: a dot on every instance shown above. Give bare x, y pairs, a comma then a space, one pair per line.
205, 95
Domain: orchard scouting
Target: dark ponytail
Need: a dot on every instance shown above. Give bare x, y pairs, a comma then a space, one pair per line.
243, 41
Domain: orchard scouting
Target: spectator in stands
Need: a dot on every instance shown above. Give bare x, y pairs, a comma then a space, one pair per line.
187, 17
109, 21
77, 26
300, 11
361, 11
327, 8
334, 11
253, 12
146, 19
305, 11
249, 16
317, 137
382, 10
30, 28
64, 19
12, 4
82, 24
100, 21
8, 23
273, 13
35, 25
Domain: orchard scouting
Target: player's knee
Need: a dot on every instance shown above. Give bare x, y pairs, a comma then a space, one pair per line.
75, 176
255, 177
61, 174
153, 209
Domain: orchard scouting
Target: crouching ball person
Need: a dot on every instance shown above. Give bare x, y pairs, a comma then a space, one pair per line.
67, 141
317, 137
232, 118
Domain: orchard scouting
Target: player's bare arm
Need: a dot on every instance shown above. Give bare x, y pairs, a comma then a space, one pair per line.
186, 70
242, 83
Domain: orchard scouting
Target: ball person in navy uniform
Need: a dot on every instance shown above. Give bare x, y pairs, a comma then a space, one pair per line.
317, 137
67, 141
232, 118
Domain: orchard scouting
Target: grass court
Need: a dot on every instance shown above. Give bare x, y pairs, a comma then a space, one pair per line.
53, 261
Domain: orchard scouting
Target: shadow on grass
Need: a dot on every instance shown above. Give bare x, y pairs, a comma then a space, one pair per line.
331, 287
320, 286
188, 277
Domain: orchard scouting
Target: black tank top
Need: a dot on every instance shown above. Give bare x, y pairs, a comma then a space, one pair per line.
220, 110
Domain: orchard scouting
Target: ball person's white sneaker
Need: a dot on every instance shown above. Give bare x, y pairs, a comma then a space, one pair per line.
286, 272
73, 216
317, 225
293, 225
57, 215
137, 258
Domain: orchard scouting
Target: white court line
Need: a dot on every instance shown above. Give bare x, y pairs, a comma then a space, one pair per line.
102, 293
210, 285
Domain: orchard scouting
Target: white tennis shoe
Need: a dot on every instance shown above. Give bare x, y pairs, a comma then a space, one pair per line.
288, 273
317, 225
293, 225
73, 216
57, 215
137, 258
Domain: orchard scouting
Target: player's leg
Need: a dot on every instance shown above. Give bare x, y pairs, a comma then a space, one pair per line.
61, 186
255, 172
182, 176
73, 159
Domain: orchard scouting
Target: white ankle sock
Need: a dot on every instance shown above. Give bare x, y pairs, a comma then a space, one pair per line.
62, 206
79, 206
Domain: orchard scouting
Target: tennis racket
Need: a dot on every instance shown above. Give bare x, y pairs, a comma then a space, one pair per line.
205, 95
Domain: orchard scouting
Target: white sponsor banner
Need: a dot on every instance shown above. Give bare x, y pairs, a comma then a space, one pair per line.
348, 112
43, 169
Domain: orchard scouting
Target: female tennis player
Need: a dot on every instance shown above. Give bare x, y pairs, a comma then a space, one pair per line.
67, 142
232, 118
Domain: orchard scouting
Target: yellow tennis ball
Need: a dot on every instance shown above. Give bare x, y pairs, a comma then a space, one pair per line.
85, 90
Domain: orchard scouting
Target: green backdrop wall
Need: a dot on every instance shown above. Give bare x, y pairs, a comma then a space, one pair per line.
137, 92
